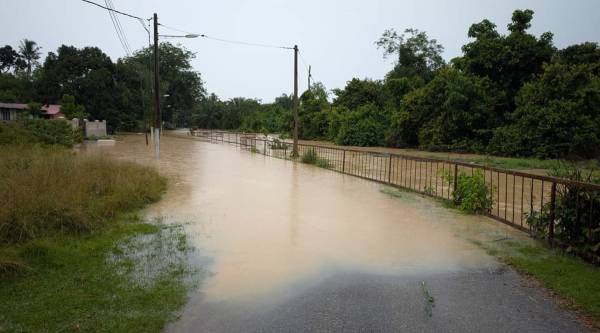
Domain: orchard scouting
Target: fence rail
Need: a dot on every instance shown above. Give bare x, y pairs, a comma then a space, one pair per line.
515, 195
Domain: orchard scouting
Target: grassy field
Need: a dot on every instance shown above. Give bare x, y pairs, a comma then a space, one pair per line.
75, 256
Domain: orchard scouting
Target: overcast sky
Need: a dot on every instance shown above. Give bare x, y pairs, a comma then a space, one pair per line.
335, 37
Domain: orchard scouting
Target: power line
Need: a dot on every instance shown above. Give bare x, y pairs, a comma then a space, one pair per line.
112, 6
120, 35
230, 41
113, 10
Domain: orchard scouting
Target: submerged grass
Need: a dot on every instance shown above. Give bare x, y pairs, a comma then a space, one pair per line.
128, 277
73, 254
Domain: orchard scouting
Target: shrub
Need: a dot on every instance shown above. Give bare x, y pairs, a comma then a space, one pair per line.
309, 157
576, 214
364, 126
52, 189
471, 194
38, 131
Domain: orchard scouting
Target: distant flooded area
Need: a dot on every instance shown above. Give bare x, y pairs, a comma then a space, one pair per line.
267, 224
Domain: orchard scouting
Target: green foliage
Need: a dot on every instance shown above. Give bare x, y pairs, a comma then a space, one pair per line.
72, 110
556, 116
576, 224
52, 189
129, 276
34, 110
471, 194
452, 112
311, 156
38, 131
358, 93
418, 56
364, 126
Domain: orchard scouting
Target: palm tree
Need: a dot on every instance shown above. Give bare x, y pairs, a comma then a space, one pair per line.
30, 52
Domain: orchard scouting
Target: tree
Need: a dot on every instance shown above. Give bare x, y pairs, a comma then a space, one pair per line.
312, 114
70, 109
455, 111
30, 53
365, 126
508, 61
8, 58
359, 92
417, 55
556, 116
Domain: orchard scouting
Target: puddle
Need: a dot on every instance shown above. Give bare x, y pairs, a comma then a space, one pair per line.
271, 226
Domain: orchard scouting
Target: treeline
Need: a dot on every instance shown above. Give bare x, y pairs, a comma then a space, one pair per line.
89, 84
511, 95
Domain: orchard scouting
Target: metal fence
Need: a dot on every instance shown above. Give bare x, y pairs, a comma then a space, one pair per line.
515, 195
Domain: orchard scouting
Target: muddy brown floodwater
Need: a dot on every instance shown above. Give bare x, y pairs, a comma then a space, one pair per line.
272, 227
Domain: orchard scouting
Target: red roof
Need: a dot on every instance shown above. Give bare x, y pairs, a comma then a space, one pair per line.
48, 109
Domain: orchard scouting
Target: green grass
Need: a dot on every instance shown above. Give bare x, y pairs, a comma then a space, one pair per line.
128, 277
74, 256
48, 189
575, 281
513, 163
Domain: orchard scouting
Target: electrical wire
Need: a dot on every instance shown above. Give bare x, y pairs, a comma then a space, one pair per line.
120, 36
112, 10
230, 41
112, 6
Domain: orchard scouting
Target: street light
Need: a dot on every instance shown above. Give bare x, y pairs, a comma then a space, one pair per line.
158, 119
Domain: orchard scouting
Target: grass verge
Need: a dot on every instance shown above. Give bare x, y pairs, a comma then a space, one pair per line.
572, 279
128, 277
74, 256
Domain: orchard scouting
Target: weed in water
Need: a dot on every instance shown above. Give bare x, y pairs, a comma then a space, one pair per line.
429, 300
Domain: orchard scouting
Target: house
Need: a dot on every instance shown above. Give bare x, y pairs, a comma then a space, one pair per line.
9, 111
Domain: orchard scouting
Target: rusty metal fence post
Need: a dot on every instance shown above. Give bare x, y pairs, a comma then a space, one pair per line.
390, 169
552, 212
344, 161
455, 178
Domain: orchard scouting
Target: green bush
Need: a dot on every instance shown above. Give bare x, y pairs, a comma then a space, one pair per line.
309, 157
576, 213
365, 126
38, 131
471, 194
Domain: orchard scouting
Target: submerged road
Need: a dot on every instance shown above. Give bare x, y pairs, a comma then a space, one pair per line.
288, 247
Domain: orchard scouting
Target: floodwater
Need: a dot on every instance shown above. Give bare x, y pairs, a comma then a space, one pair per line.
266, 227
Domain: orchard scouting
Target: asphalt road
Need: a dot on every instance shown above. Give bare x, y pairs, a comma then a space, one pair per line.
490, 300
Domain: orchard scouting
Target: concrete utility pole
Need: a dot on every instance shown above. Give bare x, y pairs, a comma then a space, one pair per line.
296, 120
157, 115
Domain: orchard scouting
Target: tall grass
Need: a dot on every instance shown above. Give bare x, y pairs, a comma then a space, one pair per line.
44, 190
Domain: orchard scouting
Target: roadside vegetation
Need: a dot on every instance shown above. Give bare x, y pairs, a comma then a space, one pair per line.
74, 254
572, 279
312, 157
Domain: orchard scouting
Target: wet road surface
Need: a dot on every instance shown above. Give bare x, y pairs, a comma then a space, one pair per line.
292, 248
